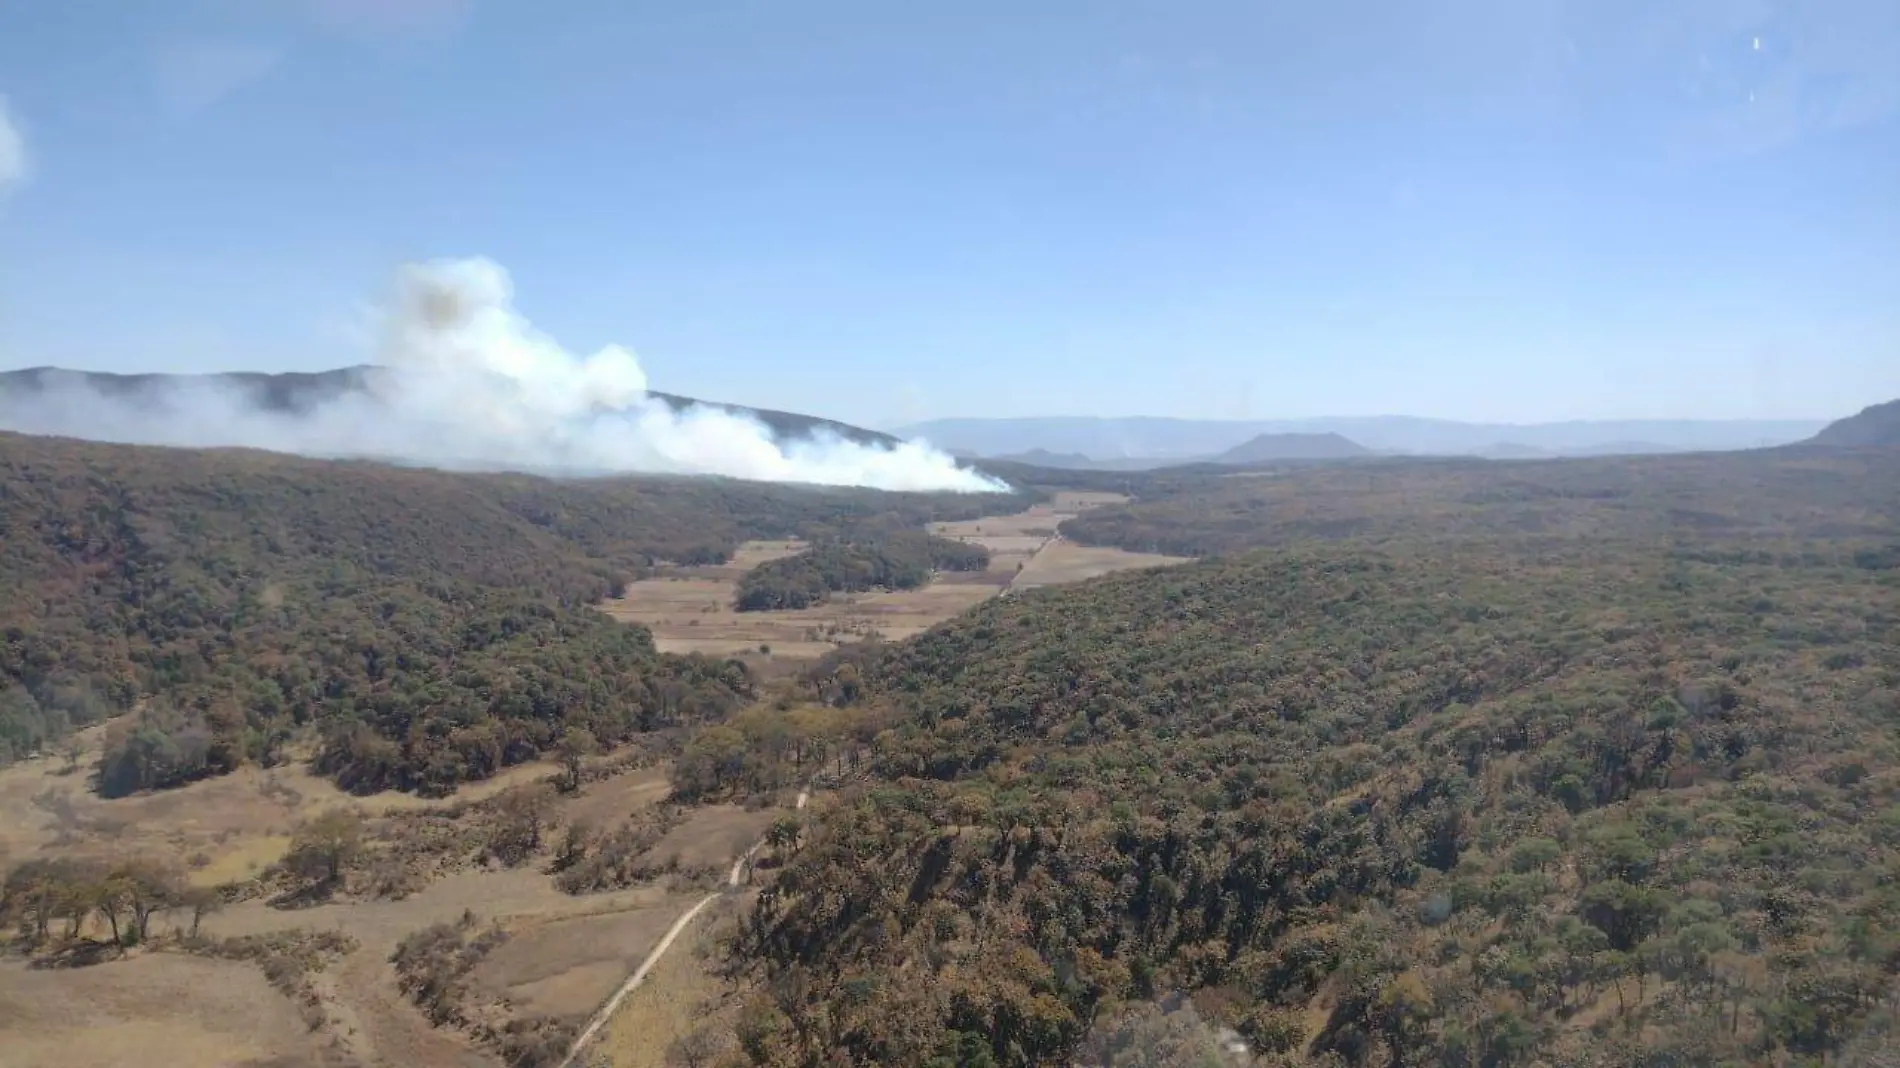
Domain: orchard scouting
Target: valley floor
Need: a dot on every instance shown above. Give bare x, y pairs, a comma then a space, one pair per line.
159, 1006
690, 609
564, 955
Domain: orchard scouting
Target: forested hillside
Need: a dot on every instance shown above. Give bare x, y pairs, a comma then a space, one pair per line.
428, 627
1576, 764
895, 560
1765, 494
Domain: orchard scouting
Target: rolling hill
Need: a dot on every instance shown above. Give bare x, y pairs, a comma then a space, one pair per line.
1875, 425
1268, 447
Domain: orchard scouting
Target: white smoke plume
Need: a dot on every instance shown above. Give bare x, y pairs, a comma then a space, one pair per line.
470, 384
13, 165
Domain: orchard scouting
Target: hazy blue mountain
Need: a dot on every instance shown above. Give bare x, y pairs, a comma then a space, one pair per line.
1075, 461
1186, 439
1511, 450
1266, 447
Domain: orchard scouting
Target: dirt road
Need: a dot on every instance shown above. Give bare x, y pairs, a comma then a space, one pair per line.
733, 880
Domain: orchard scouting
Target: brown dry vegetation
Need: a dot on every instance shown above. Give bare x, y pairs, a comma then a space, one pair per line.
158, 1010
714, 834
174, 1001
684, 995
225, 829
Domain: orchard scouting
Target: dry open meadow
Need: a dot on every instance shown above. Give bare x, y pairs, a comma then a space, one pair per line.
158, 1004
690, 609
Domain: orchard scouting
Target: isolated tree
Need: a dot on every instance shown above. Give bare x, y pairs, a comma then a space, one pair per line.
202, 901
112, 897
521, 813
150, 886
783, 833
326, 846
77, 893
574, 843
576, 746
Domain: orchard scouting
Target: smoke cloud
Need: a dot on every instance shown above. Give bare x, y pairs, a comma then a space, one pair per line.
466, 382
12, 151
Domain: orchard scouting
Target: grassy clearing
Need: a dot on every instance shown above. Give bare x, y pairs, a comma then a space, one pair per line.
682, 993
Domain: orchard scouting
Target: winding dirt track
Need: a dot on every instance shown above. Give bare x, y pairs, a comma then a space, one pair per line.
639, 975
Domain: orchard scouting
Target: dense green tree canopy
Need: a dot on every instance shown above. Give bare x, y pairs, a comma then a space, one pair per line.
428, 627
1587, 763
854, 562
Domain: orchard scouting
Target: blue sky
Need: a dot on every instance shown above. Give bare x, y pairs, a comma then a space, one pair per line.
1485, 209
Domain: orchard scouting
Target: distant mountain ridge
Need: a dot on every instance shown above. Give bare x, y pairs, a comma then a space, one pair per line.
295, 392
1179, 440
1075, 461
1264, 447
1874, 425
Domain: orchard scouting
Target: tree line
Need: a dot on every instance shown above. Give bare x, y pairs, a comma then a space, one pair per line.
889, 559
62, 903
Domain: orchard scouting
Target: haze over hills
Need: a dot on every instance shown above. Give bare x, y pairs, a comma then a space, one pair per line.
347, 411
301, 392
469, 383
1184, 439
1075, 461
1262, 448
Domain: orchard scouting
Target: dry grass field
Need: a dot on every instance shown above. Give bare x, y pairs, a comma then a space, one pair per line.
159, 1010
713, 835
689, 609
682, 994
568, 965
222, 829
1062, 562
160, 1006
